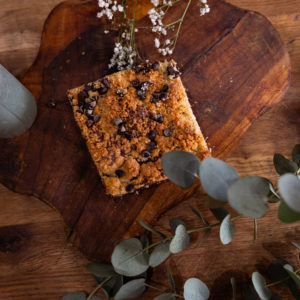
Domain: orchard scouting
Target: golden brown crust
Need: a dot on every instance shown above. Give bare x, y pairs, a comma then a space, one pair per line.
128, 125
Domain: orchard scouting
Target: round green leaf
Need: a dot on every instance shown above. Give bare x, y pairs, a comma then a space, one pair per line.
289, 187
216, 176
195, 289
96, 298
180, 241
296, 154
74, 296
128, 258
283, 165
292, 274
165, 297
287, 215
101, 270
181, 167
248, 196
160, 253
260, 286
110, 287
132, 289
227, 230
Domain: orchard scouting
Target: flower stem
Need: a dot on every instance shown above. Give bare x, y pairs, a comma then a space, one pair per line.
98, 287
163, 291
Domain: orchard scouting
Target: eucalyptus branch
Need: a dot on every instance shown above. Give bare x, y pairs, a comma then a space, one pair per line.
98, 287
163, 291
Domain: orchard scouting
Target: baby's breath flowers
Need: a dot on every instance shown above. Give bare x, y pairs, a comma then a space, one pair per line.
126, 54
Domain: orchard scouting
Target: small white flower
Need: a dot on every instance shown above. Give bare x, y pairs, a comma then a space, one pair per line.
120, 8
156, 42
155, 2
167, 42
136, 30
106, 31
204, 1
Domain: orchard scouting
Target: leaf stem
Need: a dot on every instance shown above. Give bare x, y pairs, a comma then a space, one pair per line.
282, 280
163, 291
255, 229
98, 287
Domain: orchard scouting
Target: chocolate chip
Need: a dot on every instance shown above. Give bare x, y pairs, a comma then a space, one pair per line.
51, 104
160, 118
154, 117
88, 87
129, 188
120, 93
94, 98
92, 104
106, 82
96, 118
133, 147
137, 69
146, 153
120, 173
89, 112
136, 83
117, 121
82, 95
153, 99
170, 70
163, 96
128, 135
155, 66
151, 135
122, 129
167, 132
141, 95
102, 90
152, 145
146, 69
89, 123
144, 85
164, 89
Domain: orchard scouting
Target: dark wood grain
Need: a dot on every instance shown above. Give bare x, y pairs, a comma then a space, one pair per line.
233, 75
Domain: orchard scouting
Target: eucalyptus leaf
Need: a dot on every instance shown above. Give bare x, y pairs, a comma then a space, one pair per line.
144, 240
132, 289
233, 284
198, 214
168, 296
276, 271
101, 270
195, 289
129, 259
260, 286
220, 213
181, 167
297, 245
296, 155
160, 253
171, 279
74, 296
287, 215
110, 287
292, 274
180, 241
94, 297
148, 227
216, 176
175, 222
275, 198
283, 165
289, 187
227, 230
248, 196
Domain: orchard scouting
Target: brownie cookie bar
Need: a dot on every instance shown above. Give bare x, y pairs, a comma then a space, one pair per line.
130, 119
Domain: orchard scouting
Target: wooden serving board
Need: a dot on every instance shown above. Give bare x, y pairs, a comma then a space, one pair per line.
234, 67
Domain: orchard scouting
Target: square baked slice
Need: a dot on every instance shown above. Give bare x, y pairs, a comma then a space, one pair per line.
130, 119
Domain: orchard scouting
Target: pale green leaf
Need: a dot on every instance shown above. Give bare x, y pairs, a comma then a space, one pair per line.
260, 286
129, 259
180, 241
249, 196
195, 289
148, 227
296, 154
101, 270
132, 289
292, 274
227, 230
216, 176
160, 253
74, 296
283, 165
287, 215
181, 167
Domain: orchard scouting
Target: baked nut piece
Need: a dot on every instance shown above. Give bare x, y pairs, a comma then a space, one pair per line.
130, 119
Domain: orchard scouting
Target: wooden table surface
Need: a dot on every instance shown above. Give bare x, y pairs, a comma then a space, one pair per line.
36, 262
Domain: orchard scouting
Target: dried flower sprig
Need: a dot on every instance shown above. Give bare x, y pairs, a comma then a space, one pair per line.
126, 54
